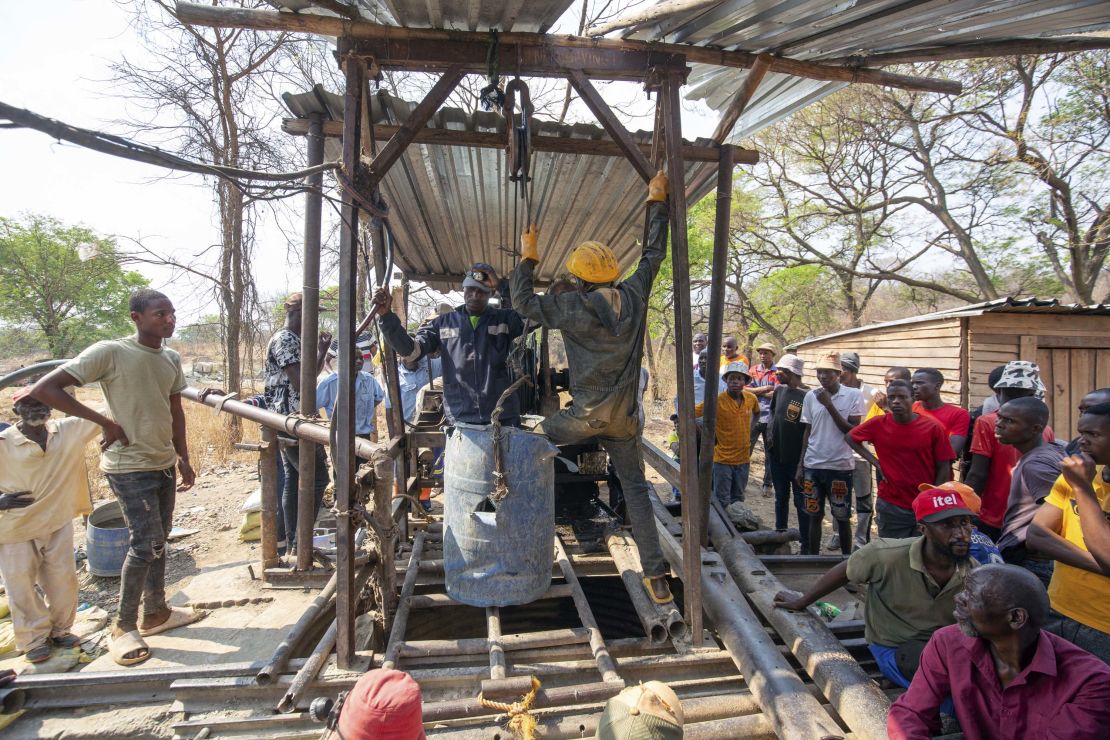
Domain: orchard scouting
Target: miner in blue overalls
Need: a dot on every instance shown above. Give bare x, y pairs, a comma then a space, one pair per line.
474, 340
603, 324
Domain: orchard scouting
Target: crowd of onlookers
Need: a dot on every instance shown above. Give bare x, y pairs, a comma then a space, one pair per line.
987, 597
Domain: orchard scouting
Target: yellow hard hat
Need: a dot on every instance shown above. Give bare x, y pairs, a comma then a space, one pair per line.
593, 262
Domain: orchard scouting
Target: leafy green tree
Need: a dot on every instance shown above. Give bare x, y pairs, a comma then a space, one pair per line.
63, 281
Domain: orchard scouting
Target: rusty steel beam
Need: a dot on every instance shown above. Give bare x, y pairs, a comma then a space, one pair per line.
604, 147
344, 421
268, 452
680, 267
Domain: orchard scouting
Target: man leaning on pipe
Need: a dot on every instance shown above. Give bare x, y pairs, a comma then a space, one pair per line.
603, 324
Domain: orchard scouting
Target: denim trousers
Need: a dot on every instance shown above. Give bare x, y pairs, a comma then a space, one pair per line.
287, 522
759, 429
147, 499
729, 482
787, 490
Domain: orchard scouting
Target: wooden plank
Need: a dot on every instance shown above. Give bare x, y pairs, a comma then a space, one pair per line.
1075, 342
1042, 324
965, 363
1027, 347
1102, 370
1057, 395
1082, 383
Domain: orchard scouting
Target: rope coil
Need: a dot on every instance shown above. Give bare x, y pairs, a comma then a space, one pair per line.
521, 723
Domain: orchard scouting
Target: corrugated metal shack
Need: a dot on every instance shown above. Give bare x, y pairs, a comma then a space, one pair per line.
1071, 343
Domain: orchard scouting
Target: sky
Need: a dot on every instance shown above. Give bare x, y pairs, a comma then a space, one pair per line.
55, 60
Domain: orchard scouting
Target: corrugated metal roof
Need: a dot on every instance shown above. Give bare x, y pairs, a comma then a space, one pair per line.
472, 15
999, 305
451, 205
819, 29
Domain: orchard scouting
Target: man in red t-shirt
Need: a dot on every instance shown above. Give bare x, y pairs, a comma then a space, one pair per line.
926, 384
912, 448
993, 462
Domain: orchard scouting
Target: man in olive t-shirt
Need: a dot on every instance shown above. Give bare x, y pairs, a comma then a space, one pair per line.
142, 443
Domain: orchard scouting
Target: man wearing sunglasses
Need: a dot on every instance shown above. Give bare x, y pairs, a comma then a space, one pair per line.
475, 340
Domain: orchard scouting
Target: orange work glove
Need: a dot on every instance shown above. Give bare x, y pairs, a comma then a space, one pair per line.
657, 188
529, 240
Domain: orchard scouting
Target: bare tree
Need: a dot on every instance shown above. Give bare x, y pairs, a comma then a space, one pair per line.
210, 94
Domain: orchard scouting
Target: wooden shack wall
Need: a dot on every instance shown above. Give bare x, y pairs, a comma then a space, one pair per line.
926, 344
1073, 352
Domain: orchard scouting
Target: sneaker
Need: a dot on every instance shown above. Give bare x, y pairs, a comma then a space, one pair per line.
834, 543
658, 589
426, 504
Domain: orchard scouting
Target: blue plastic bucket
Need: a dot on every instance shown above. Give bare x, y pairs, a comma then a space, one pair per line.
106, 540
498, 555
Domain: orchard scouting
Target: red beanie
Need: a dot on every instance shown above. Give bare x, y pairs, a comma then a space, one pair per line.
383, 705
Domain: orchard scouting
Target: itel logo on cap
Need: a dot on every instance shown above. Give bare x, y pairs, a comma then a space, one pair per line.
942, 501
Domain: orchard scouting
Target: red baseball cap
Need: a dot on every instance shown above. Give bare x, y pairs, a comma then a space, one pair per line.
967, 493
383, 705
938, 504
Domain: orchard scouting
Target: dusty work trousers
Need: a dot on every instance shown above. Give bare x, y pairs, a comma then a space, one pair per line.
627, 457
865, 503
147, 499
48, 563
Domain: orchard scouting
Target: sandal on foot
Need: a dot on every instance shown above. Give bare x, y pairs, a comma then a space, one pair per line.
122, 647
178, 618
39, 654
68, 640
658, 589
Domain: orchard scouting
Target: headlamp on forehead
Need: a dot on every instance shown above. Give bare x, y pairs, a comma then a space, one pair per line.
479, 275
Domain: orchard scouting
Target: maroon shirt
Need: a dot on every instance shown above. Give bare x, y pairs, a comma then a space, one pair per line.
1064, 692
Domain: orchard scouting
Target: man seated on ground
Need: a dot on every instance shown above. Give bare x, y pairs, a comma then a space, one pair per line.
992, 461
1021, 424
43, 486
826, 468
927, 383
909, 448
368, 394
737, 410
912, 583
1072, 528
1008, 678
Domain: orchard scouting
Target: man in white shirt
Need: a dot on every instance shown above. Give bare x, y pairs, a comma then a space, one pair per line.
826, 469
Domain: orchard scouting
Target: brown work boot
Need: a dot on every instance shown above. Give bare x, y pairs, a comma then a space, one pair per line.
658, 589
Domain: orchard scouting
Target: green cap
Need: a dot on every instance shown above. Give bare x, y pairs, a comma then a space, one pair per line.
622, 722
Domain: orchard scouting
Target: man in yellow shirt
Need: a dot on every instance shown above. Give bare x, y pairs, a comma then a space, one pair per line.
737, 410
1071, 527
43, 486
730, 352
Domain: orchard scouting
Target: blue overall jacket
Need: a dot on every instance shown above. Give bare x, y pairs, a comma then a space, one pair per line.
475, 371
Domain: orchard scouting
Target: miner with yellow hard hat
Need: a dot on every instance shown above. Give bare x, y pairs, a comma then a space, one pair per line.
603, 324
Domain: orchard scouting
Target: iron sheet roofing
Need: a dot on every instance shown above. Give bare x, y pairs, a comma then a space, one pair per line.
818, 29
472, 15
999, 305
450, 206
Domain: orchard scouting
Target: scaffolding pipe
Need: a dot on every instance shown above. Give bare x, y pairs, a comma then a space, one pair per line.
308, 671
496, 649
658, 623
268, 452
784, 699
296, 633
401, 618
310, 330
605, 662
857, 699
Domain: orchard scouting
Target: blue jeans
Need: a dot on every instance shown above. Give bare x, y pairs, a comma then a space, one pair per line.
787, 489
835, 486
287, 522
147, 499
729, 482
884, 656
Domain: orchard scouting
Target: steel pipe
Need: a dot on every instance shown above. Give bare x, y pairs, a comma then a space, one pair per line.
857, 699
601, 654
791, 709
401, 617
496, 650
267, 472
309, 671
281, 655
480, 645
627, 562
